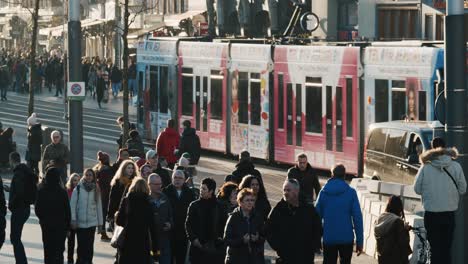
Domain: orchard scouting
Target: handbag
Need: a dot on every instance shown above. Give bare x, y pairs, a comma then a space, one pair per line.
118, 237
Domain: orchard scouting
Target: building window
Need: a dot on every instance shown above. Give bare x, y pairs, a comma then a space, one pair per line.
396, 23
348, 15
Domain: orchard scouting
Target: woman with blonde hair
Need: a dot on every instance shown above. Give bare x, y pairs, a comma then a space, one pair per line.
72, 182
86, 215
119, 186
135, 215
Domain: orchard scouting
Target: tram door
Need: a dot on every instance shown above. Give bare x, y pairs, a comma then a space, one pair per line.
158, 98
334, 118
201, 103
294, 114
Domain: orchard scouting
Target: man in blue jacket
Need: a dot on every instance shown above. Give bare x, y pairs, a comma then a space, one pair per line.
338, 206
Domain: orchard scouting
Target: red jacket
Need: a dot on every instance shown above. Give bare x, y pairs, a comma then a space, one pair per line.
167, 143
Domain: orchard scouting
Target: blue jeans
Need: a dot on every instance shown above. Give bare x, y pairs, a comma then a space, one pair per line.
165, 249
116, 88
132, 88
19, 216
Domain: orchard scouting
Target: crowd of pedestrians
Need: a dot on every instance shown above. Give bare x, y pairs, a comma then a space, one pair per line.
147, 206
99, 75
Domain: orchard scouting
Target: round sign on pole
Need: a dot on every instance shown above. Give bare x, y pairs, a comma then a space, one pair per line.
76, 91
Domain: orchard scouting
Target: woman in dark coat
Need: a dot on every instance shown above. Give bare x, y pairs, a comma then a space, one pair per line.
119, 187
136, 216
262, 205
33, 154
100, 88
243, 233
6, 145
227, 195
392, 234
104, 174
53, 210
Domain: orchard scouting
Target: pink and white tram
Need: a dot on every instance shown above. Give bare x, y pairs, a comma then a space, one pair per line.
316, 105
249, 105
157, 85
202, 77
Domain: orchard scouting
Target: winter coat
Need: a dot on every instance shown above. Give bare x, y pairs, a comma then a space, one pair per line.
179, 208
338, 206
52, 206
86, 207
205, 221
100, 88
135, 147
167, 143
393, 245
116, 75
190, 142
244, 168
236, 227
132, 72
308, 181
58, 153
23, 177
117, 193
104, 177
162, 214
135, 215
262, 207
34, 143
432, 181
6, 145
294, 232
3, 212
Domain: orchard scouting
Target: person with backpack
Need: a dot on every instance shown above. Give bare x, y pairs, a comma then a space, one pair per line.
23, 191
86, 215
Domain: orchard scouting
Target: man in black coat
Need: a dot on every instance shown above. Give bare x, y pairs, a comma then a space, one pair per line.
205, 223
307, 178
53, 210
180, 196
243, 168
294, 229
22, 195
152, 159
190, 142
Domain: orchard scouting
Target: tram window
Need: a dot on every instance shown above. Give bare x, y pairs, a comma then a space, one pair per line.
381, 100
377, 140
216, 97
243, 98
280, 101
153, 91
255, 105
314, 109
349, 107
398, 104
163, 87
422, 105
187, 92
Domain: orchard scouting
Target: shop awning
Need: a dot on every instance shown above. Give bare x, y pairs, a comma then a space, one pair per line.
57, 31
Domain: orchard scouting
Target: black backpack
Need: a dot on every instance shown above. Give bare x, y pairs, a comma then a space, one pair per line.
30, 187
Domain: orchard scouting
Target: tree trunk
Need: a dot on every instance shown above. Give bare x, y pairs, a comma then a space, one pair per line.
32, 57
125, 71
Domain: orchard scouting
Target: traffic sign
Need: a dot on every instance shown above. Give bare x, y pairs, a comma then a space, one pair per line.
76, 91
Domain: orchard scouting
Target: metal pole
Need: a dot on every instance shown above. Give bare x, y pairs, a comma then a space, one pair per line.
75, 122
456, 127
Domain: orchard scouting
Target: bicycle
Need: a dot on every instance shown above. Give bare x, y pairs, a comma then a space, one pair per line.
424, 250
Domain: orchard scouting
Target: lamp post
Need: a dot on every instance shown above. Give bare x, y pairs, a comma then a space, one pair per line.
456, 127
75, 122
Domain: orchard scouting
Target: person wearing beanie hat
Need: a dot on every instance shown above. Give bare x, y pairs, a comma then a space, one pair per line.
53, 210
152, 159
190, 143
33, 152
244, 167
